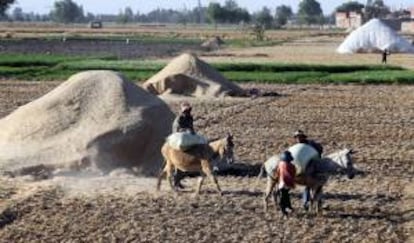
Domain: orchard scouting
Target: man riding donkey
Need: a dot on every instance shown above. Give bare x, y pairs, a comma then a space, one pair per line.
186, 151
312, 171
183, 123
305, 155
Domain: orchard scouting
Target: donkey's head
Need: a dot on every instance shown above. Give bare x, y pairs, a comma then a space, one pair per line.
343, 160
229, 148
223, 148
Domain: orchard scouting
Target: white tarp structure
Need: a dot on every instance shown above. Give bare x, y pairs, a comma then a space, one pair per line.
374, 36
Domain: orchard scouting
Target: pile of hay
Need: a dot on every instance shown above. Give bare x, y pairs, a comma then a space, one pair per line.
94, 119
190, 76
212, 44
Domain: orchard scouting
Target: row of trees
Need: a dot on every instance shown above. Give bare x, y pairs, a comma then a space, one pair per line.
229, 13
4, 5
372, 9
309, 12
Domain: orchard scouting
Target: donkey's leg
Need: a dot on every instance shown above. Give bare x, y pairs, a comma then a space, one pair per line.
318, 199
200, 182
311, 205
160, 177
315, 198
270, 184
306, 197
276, 196
169, 168
206, 168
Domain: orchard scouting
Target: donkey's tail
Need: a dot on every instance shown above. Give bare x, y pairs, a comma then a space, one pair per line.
262, 169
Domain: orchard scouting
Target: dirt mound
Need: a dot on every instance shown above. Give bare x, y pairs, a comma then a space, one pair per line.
96, 118
212, 44
188, 75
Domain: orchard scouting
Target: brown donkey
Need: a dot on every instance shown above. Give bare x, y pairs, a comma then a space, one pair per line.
198, 158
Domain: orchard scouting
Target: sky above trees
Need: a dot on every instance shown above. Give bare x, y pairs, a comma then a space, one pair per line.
144, 6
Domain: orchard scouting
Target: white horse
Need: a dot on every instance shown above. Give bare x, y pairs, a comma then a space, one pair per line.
315, 176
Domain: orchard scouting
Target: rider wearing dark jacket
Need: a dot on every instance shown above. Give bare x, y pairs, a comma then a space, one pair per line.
182, 123
300, 137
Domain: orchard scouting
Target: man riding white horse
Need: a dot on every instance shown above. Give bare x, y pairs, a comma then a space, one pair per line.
301, 138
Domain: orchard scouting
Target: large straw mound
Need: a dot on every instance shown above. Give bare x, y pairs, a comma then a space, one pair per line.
212, 44
190, 76
96, 118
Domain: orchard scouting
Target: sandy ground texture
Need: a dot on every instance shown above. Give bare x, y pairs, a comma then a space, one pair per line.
377, 206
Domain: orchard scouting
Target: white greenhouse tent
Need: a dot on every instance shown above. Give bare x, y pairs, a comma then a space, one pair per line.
375, 36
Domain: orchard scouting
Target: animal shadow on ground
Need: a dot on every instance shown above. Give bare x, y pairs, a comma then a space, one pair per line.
344, 196
399, 217
189, 190
235, 169
336, 196
243, 193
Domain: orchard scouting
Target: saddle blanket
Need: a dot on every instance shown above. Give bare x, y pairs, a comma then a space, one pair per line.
302, 154
185, 140
271, 165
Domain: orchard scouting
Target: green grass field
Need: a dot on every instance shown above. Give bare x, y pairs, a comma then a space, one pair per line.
54, 67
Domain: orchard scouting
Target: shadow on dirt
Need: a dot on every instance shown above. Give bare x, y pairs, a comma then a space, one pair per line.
8, 216
243, 193
235, 169
398, 218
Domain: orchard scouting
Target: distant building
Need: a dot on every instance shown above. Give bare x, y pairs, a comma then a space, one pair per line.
407, 27
348, 20
401, 20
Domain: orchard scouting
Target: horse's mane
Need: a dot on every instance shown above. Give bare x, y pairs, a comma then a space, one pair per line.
336, 154
331, 160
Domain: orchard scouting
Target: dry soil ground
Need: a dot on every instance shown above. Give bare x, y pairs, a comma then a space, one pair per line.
378, 121
118, 48
310, 50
